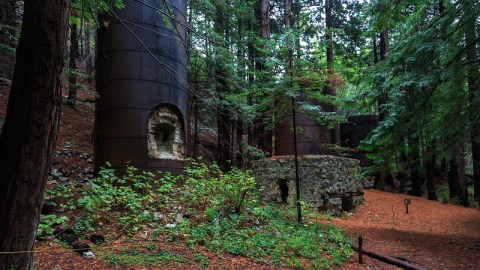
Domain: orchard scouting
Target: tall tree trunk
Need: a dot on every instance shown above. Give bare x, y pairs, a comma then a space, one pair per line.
88, 52
473, 82
224, 120
265, 19
414, 174
29, 133
460, 166
7, 33
383, 56
329, 89
452, 179
382, 112
259, 136
431, 171
72, 78
375, 50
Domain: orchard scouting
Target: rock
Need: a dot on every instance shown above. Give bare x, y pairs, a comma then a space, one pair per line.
55, 173
158, 215
88, 255
88, 170
68, 235
63, 179
47, 207
97, 239
81, 247
179, 218
90, 161
84, 156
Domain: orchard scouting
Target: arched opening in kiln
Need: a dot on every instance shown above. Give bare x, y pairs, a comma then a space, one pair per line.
165, 134
347, 203
283, 187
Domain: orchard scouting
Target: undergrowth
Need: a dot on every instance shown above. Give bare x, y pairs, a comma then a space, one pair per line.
220, 211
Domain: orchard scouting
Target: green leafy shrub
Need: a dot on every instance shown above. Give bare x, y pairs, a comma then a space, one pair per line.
128, 200
216, 193
218, 210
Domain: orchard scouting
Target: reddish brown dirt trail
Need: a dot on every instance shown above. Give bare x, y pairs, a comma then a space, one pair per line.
433, 234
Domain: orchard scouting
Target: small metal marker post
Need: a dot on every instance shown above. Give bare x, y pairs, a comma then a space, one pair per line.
406, 202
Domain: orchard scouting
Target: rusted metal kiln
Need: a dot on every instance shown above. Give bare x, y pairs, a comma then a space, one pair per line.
312, 140
142, 104
328, 181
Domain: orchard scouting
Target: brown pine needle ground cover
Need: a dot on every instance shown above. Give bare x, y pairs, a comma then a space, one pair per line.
433, 234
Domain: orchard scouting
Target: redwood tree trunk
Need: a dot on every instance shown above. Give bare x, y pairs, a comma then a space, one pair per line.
7, 32
431, 172
330, 90
460, 162
382, 112
29, 133
72, 78
88, 52
414, 174
383, 56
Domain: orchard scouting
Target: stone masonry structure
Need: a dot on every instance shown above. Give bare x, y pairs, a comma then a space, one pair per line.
329, 182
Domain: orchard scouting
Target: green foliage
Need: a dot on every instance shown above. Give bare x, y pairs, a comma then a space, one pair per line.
127, 200
266, 234
147, 258
220, 193
219, 210
49, 222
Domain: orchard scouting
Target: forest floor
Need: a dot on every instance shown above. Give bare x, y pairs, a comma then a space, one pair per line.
433, 235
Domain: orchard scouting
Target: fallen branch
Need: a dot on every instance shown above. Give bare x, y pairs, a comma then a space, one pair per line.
388, 259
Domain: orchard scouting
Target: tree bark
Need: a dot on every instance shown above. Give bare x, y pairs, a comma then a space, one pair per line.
431, 172
383, 56
329, 89
224, 120
452, 179
7, 32
88, 52
382, 112
29, 133
460, 170
72, 78
265, 19
414, 175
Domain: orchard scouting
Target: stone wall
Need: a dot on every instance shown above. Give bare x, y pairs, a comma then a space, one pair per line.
330, 182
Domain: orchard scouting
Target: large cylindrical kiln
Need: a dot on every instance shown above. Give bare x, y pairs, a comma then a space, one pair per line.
312, 138
142, 104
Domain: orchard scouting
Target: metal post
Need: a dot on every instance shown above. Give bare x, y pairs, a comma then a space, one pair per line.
297, 176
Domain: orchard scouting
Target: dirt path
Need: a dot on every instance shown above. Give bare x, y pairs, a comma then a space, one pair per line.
434, 235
